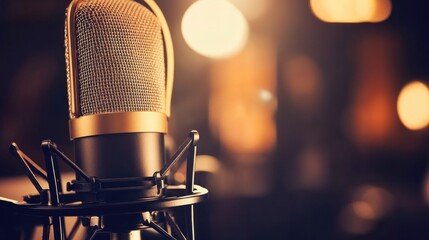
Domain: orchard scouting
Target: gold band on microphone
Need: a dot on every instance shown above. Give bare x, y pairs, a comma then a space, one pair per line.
121, 122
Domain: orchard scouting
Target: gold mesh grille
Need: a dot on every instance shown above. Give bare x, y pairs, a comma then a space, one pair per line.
120, 58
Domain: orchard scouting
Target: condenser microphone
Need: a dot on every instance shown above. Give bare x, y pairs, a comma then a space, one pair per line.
119, 70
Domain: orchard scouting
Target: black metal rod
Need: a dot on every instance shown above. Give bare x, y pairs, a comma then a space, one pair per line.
174, 227
34, 166
190, 162
176, 156
160, 230
190, 222
54, 189
14, 150
190, 179
69, 162
46, 230
57, 172
190, 170
92, 232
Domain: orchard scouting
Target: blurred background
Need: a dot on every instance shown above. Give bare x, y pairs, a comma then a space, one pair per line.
312, 114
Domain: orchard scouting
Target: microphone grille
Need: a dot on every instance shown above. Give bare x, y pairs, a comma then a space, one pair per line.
120, 58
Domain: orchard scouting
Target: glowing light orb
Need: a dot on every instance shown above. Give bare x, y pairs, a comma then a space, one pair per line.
351, 11
214, 28
413, 105
252, 10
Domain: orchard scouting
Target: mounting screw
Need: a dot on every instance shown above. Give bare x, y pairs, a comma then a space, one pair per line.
194, 136
86, 221
91, 221
160, 184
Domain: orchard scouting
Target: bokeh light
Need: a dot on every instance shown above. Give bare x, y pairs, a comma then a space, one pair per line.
372, 202
351, 223
363, 209
351, 11
312, 171
252, 11
215, 29
371, 118
266, 96
242, 103
413, 105
302, 81
203, 163
369, 205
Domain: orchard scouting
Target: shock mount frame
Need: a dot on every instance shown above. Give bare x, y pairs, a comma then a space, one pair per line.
51, 205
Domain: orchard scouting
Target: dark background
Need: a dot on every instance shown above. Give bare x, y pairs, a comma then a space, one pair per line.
357, 163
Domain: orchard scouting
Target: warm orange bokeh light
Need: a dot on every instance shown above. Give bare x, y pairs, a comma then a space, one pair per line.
363, 210
413, 105
252, 11
203, 163
302, 82
369, 205
372, 202
215, 29
372, 115
242, 102
351, 11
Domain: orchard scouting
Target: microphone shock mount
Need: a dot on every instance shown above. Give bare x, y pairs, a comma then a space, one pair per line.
88, 198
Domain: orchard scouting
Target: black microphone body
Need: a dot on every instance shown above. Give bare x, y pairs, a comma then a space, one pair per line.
114, 156
129, 155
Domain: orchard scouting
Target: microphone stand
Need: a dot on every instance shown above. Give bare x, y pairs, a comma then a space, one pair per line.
53, 204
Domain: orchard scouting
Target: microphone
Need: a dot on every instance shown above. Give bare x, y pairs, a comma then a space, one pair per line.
119, 61
119, 91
